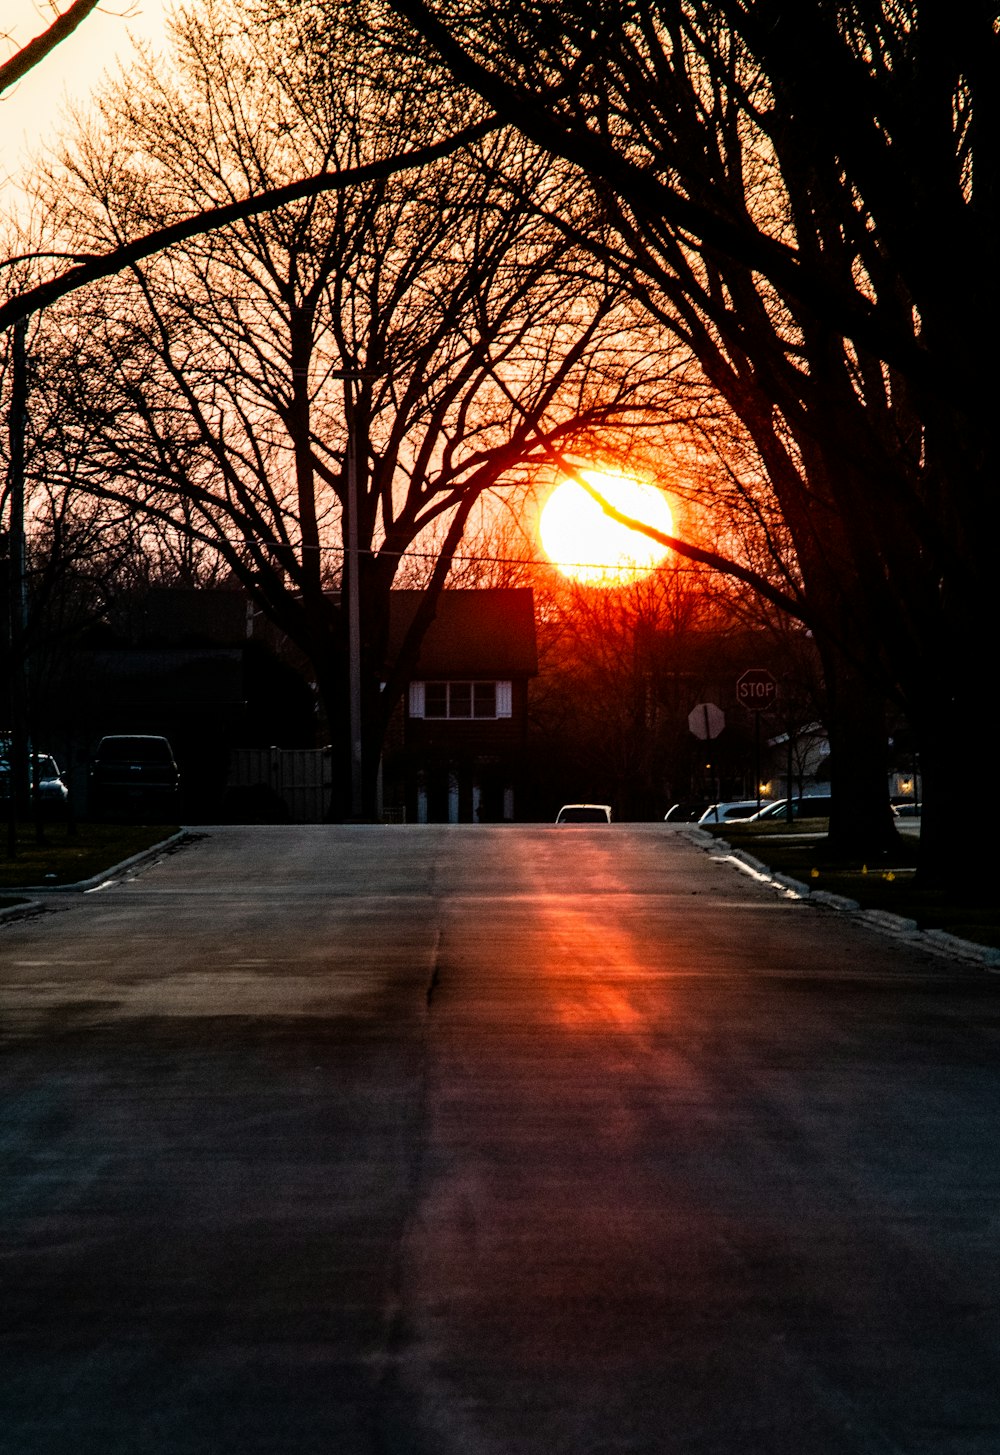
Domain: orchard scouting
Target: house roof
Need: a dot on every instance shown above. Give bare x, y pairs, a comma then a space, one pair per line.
176, 615
487, 633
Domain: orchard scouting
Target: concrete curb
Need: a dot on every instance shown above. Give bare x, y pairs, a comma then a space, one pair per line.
936, 942
11, 911
834, 901
82, 885
942, 943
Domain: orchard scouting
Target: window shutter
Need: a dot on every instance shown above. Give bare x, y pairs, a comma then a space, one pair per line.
505, 700
416, 699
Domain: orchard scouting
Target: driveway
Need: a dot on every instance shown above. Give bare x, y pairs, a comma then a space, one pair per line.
490, 1141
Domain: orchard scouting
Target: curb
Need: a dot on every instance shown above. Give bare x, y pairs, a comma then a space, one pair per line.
935, 942
942, 943
83, 885
12, 911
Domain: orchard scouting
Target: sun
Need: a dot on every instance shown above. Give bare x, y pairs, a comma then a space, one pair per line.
588, 545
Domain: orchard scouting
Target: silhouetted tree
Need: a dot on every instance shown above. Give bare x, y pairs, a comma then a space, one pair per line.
440, 321
808, 194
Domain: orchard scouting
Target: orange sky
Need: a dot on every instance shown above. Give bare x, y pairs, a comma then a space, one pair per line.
30, 111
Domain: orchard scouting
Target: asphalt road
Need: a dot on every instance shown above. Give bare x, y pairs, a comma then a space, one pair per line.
473, 1141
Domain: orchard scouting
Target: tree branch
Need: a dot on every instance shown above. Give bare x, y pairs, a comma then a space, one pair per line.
24, 60
105, 265
733, 235
791, 605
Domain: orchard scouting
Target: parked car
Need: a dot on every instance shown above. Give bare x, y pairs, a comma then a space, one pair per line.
53, 795
812, 805
687, 811
728, 812
584, 813
134, 776
816, 805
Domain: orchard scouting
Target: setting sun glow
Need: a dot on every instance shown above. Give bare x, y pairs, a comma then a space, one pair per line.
588, 545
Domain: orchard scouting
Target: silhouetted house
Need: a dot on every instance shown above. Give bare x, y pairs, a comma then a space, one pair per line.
181, 662
192, 666
457, 752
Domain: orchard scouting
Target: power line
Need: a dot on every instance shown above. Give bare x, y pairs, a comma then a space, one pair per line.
490, 560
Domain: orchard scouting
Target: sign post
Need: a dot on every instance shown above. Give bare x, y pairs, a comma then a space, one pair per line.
757, 690
706, 721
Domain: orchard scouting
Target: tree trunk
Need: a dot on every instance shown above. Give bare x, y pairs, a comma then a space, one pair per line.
861, 821
334, 690
959, 850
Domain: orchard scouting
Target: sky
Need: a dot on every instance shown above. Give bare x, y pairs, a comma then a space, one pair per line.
30, 113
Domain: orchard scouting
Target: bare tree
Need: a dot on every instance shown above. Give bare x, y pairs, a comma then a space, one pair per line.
440, 323
621, 667
809, 194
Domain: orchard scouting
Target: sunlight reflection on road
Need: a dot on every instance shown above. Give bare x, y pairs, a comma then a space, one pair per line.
601, 959
600, 1004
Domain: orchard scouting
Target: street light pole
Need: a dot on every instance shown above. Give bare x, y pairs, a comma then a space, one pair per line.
352, 562
353, 605
17, 603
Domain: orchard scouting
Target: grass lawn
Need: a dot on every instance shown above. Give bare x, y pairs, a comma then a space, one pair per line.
801, 851
66, 858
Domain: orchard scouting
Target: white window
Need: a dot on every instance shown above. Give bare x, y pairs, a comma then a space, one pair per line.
461, 700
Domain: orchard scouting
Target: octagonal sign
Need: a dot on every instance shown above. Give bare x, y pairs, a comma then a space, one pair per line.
706, 721
757, 689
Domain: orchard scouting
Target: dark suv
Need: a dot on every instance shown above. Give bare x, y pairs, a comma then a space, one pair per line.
135, 777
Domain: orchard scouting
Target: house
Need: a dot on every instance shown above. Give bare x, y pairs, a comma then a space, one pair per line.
177, 662
456, 751
241, 716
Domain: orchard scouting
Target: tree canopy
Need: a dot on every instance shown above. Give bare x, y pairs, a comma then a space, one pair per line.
437, 319
809, 196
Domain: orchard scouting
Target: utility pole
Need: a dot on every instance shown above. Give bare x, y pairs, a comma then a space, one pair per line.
354, 608
352, 562
17, 603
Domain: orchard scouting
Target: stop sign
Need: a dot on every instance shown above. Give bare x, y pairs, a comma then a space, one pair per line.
706, 721
757, 689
